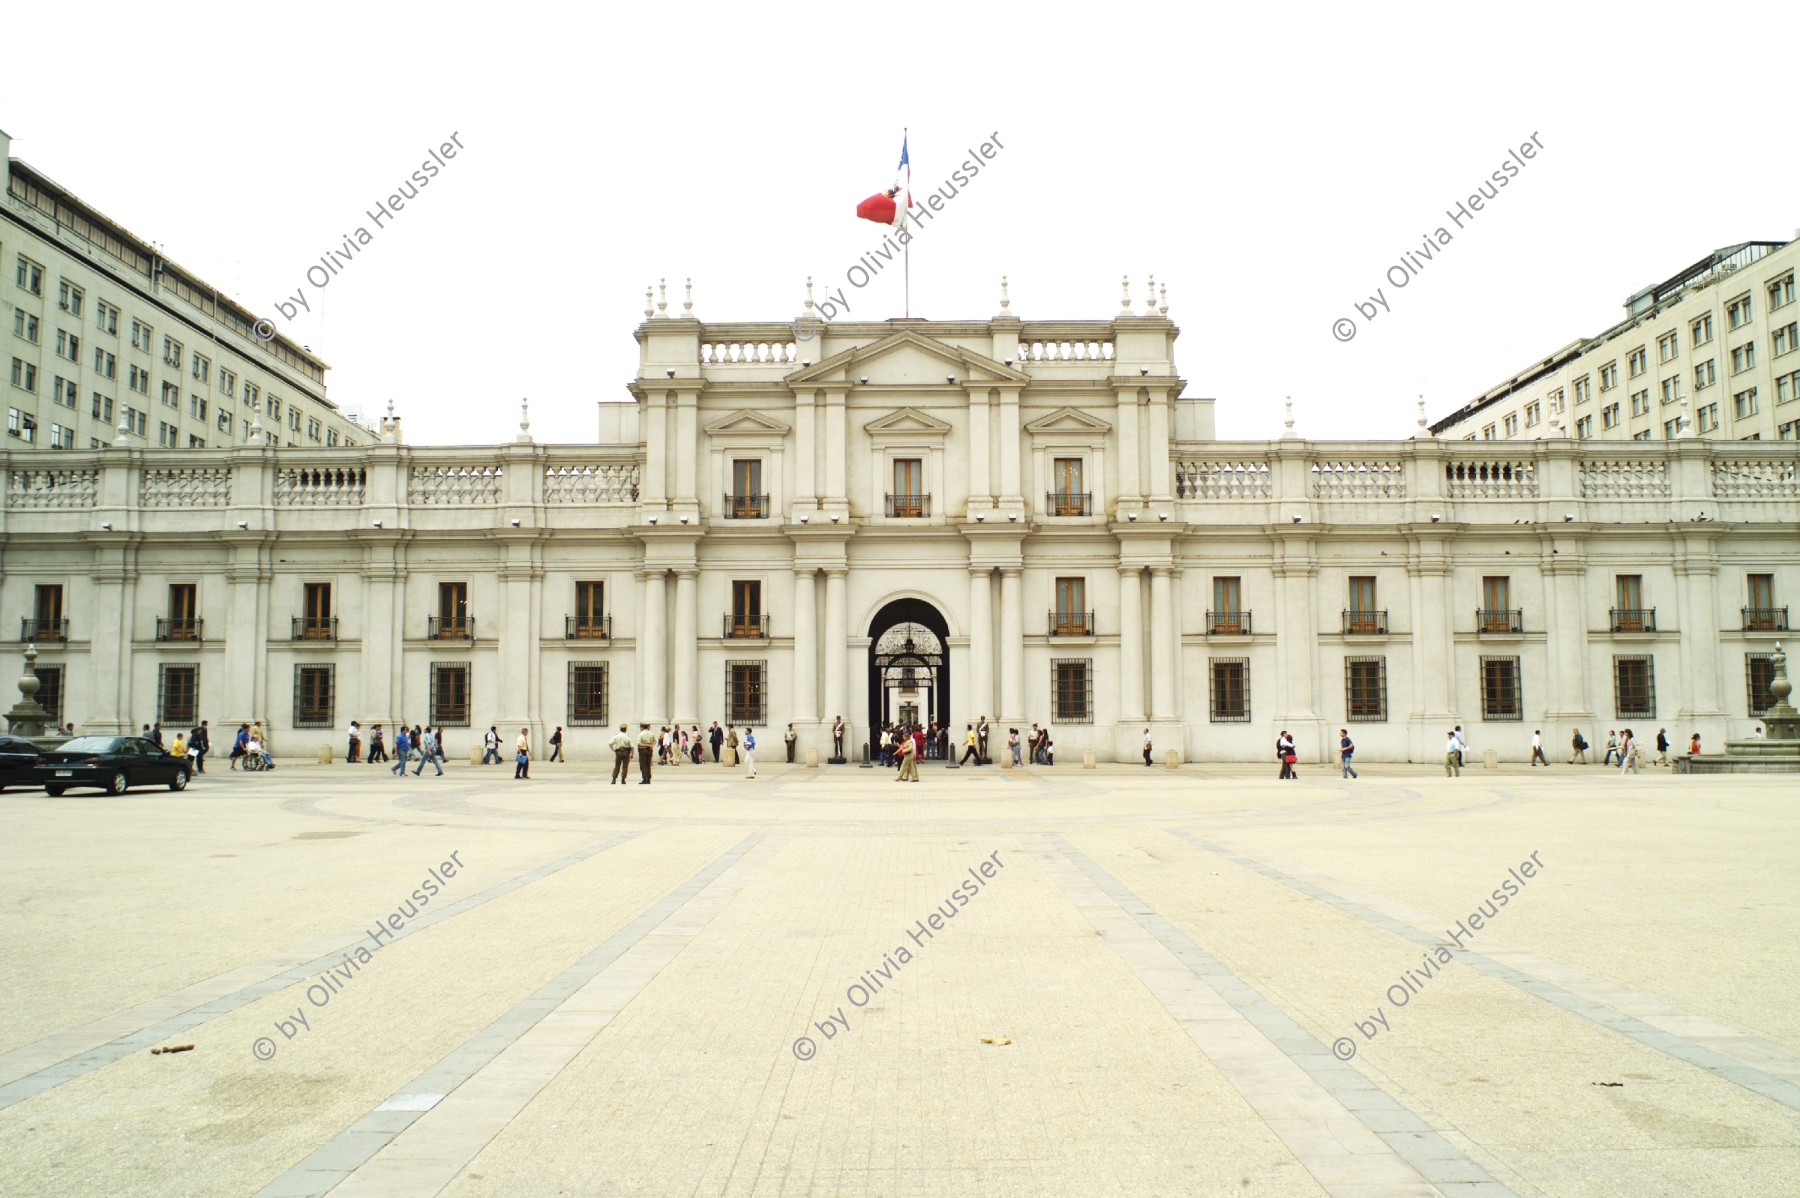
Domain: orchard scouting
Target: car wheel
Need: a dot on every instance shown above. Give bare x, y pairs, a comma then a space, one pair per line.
119, 783
179, 781
53, 791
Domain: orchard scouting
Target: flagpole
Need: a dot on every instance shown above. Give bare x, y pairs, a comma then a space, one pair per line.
907, 256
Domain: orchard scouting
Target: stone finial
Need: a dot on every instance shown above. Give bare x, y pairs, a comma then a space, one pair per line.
1124, 295
390, 409
1163, 308
1424, 429
1683, 426
1005, 312
809, 297
1290, 433
123, 440
256, 432
662, 297
649, 302
28, 717
524, 420
1150, 299
687, 305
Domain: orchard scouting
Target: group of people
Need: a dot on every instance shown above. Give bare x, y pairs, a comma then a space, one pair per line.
1289, 756
669, 745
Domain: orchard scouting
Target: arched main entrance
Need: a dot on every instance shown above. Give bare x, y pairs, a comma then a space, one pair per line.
909, 664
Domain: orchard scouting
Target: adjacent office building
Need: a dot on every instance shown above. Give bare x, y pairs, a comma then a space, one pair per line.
104, 339
1713, 350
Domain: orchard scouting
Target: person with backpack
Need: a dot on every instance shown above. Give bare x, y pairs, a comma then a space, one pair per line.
1346, 750
1612, 746
1579, 744
490, 746
556, 746
749, 743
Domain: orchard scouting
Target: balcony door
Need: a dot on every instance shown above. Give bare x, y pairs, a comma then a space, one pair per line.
1228, 605
746, 488
48, 611
453, 608
1362, 605
746, 608
184, 611
590, 608
909, 486
317, 609
1071, 606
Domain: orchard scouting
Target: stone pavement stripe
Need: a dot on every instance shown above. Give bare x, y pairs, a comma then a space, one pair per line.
1333, 1134
68, 1054
464, 1100
1732, 1068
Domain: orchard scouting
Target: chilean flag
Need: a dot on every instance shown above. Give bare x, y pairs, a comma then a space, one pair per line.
881, 207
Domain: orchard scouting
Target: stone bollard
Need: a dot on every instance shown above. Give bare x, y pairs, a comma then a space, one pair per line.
812, 759
730, 757
1087, 759
1490, 759
325, 754
475, 755
1172, 759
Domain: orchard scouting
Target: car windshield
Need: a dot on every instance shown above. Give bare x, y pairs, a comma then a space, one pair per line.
91, 744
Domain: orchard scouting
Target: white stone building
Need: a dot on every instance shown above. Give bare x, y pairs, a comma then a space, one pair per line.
1034, 503
103, 337
1716, 345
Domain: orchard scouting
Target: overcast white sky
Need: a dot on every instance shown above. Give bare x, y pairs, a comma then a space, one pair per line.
1268, 165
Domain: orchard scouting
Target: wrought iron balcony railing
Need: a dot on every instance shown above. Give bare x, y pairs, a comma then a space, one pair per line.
913, 507
1228, 623
1071, 623
315, 628
180, 628
587, 628
746, 626
1068, 503
1499, 619
1365, 623
746, 507
1765, 619
451, 628
1633, 619
43, 630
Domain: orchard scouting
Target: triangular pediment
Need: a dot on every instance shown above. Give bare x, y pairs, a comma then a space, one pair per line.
1068, 420
745, 421
908, 358
907, 420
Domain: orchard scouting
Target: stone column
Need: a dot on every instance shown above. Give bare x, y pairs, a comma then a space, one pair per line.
1010, 438
806, 455
980, 700
1565, 637
687, 444
687, 650
1012, 647
806, 646
1131, 644
1165, 659
652, 651
981, 488
516, 699
837, 650
109, 691
1697, 607
656, 447
1130, 488
835, 446
1160, 484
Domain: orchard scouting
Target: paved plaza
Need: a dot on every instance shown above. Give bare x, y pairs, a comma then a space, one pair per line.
996, 982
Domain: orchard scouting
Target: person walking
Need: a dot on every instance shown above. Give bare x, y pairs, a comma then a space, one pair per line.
1147, 747
1578, 743
1612, 746
789, 738
1462, 746
620, 745
1346, 750
522, 755
1662, 746
909, 761
1452, 758
1012, 745
731, 741
699, 745
402, 746
490, 746
1537, 749
240, 746
1629, 763
179, 747
556, 746
201, 744
749, 746
428, 752
354, 753
377, 750
969, 751
1284, 753
646, 745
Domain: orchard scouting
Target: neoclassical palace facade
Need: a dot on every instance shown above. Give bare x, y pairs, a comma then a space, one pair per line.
928, 519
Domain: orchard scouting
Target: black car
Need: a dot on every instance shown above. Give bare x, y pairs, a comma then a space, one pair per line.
17, 756
112, 763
